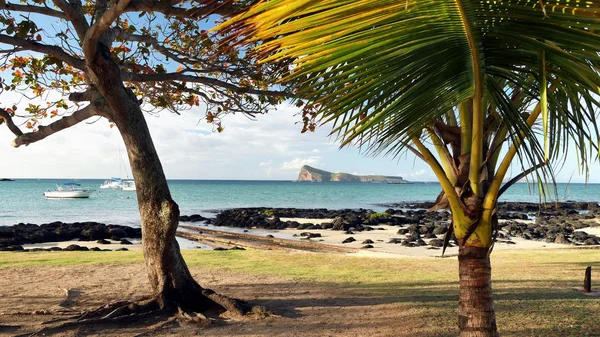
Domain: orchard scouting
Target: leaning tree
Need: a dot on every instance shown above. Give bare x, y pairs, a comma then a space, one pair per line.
459, 83
117, 59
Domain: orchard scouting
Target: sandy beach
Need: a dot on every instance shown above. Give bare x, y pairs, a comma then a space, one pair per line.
381, 235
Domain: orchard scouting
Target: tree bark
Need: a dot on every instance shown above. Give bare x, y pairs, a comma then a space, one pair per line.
476, 316
171, 282
168, 273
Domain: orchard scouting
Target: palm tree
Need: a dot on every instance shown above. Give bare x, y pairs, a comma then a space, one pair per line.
469, 77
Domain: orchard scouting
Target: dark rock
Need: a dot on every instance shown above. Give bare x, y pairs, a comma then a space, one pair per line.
192, 218
367, 241
436, 243
591, 241
426, 229
395, 240
103, 242
300, 226
270, 236
219, 248
579, 236
96, 249
560, 238
125, 242
348, 240
117, 233
122, 249
76, 248
93, 232
367, 247
55, 249
413, 236
440, 230
310, 235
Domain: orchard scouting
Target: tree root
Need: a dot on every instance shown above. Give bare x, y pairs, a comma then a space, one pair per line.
122, 311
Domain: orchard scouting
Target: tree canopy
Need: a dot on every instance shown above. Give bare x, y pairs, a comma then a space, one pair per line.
163, 51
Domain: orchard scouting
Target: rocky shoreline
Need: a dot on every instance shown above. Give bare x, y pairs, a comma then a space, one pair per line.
552, 223
560, 223
12, 238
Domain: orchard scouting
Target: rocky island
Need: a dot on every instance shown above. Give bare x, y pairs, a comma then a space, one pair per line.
308, 173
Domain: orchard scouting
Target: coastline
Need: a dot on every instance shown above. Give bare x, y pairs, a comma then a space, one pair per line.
403, 230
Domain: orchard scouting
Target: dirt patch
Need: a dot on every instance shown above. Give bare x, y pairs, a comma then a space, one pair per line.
32, 295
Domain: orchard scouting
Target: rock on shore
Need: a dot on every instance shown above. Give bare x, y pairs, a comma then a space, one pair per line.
13, 237
555, 223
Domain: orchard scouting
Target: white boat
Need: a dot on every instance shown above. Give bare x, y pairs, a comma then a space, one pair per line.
68, 190
114, 183
128, 185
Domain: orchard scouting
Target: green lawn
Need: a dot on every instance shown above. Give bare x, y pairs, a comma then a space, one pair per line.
534, 290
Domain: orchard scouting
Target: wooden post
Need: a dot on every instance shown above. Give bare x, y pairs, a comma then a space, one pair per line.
587, 281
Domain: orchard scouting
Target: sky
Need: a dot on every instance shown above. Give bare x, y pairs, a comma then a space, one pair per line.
268, 148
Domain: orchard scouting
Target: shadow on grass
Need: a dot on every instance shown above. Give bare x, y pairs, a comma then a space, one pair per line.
289, 299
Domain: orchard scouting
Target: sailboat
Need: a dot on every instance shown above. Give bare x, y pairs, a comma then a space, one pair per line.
118, 183
113, 183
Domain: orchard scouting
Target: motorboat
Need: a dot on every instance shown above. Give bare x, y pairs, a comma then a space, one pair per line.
68, 190
113, 183
128, 185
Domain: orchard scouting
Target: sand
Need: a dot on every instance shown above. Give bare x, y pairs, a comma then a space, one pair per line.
31, 295
136, 244
382, 235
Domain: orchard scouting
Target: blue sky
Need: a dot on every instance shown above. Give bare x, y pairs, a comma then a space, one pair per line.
270, 147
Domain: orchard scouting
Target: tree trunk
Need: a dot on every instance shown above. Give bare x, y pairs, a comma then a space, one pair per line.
172, 284
168, 273
476, 317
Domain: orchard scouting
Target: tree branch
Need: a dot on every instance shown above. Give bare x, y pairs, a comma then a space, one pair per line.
32, 9
100, 26
168, 9
9, 122
74, 13
59, 125
133, 77
55, 51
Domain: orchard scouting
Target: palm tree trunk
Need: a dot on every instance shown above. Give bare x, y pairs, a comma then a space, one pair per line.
476, 316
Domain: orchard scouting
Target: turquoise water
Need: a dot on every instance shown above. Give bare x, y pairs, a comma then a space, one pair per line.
23, 201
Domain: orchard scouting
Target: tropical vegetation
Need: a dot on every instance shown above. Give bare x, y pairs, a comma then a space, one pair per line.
462, 84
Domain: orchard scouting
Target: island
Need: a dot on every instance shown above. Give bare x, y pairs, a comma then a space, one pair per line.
6, 179
308, 173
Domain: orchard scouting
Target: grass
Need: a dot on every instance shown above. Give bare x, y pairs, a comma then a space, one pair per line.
534, 290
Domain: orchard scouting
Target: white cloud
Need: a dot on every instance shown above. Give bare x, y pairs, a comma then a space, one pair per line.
271, 147
297, 163
413, 174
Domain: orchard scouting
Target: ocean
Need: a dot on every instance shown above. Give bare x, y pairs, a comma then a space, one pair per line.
23, 201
